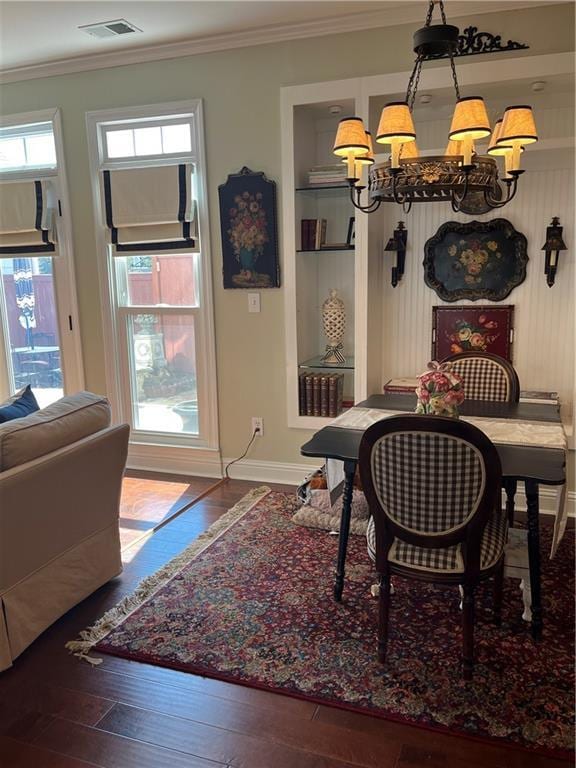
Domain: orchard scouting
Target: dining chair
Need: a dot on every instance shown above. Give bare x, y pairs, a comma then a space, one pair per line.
486, 376
433, 489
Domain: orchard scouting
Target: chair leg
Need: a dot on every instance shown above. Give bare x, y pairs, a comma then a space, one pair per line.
497, 593
384, 609
468, 632
510, 488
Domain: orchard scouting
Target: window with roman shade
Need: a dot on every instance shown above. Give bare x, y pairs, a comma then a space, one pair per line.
150, 209
26, 218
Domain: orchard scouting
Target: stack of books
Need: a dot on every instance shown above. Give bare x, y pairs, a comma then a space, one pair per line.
320, 394
408, 385
537, 396
313, 234
327, 174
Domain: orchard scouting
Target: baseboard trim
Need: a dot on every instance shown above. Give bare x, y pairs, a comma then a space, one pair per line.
270, 471
175, 460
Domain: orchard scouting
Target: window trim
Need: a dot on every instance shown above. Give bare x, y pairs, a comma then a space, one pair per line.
62, 262
114, 327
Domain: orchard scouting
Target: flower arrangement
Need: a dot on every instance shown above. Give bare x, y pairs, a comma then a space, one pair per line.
247, 232
475, 257
471, 337
439, 390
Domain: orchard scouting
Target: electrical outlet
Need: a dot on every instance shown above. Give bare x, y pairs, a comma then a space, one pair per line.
258, 425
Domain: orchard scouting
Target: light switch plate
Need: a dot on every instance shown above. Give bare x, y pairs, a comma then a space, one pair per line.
253, 302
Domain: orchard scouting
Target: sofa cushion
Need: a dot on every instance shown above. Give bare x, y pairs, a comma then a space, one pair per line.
19, 405
62, 423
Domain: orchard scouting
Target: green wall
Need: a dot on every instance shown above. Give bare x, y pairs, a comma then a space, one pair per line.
241, 93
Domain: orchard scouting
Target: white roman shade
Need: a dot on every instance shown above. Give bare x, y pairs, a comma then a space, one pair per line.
150, 208
25, 218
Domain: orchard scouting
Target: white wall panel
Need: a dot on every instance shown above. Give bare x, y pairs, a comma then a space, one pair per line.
543, 352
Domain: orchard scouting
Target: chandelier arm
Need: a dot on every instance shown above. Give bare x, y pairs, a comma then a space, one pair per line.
406, 205
400, 199
373, 206
511, 188
455, 198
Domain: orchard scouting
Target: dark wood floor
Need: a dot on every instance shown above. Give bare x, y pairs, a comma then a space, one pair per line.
58, 712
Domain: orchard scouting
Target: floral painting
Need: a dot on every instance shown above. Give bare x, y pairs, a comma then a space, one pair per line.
472, 329
248, 227
476, 260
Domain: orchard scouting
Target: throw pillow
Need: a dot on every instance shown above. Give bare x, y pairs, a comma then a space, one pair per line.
19, 405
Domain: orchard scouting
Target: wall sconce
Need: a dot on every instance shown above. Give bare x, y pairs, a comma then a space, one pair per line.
398, 243
553, 245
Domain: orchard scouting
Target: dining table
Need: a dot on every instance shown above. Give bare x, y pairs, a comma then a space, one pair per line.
527, 436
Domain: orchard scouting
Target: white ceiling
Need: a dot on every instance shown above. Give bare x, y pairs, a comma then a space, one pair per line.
37, 33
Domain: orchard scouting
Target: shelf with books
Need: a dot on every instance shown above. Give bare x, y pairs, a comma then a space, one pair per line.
317, 362
325, 248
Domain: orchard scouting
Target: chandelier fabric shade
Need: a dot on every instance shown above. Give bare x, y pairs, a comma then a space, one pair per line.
494, 148
396, 124
351, 138
409, 151
470, 119
453, 148
518, 126
368, 158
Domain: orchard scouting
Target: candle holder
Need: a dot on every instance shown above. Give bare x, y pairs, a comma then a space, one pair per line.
552, 247
397, 243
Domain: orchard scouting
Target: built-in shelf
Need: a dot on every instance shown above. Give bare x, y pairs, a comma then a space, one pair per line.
325, 250
317, 362
323, 188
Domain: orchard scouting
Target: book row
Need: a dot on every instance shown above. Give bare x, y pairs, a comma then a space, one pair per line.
313, 234
320, 394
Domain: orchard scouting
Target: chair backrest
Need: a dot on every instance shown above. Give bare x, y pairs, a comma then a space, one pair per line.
486, 376
430, 481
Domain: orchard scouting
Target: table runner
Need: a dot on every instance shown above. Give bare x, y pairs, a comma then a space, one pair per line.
501, 431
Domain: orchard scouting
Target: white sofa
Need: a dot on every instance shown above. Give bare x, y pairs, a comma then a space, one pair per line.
61, 472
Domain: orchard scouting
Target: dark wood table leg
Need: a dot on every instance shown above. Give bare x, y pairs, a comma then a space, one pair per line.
534, 555
510, 486
349, 472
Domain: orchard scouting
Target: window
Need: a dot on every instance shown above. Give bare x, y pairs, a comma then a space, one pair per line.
149, 184
150, 138
39, 339
27, 147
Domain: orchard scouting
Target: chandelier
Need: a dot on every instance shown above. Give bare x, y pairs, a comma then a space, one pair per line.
471, 182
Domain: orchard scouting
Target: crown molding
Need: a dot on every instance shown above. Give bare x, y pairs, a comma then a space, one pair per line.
405, 14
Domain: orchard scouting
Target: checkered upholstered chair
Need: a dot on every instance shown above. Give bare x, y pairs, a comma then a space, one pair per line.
486, 376
433, 487
489, 377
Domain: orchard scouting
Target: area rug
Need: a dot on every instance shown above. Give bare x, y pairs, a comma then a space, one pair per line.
251, 602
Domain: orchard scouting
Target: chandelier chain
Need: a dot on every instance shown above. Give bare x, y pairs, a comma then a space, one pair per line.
413, 82
453, 67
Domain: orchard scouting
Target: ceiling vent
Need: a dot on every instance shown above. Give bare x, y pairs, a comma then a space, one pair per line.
109, 28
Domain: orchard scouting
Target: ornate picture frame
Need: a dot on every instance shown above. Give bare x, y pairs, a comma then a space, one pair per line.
475, 260
248, 225
465, 328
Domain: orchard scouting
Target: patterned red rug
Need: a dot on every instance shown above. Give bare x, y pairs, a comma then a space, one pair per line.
251, 602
